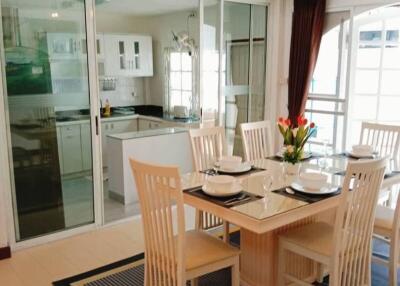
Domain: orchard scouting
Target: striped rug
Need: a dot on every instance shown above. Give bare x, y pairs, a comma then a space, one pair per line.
130, 272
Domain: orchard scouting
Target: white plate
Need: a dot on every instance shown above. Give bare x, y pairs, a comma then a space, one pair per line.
328, 189
243, 168
236, 189
306, 155
360, 156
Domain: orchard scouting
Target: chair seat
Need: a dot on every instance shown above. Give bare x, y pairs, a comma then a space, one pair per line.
383, 220
315, 237
203, 249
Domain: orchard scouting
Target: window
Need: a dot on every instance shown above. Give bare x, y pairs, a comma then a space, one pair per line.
375, 89
326, 101
180, 82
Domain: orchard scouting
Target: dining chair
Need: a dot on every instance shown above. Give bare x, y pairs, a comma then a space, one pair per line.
344, 248
172, 255
208, 145
385, 140
256, 140
387, 229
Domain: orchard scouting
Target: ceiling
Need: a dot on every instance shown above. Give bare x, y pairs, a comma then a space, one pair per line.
147, 7
134, 7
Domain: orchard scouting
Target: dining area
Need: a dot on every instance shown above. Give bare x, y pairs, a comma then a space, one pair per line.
273, 218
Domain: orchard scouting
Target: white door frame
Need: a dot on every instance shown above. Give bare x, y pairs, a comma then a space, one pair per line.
6, 162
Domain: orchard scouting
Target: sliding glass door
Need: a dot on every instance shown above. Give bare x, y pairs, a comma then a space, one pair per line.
234, 65
46, 91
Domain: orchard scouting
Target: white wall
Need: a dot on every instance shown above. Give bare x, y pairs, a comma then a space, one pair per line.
151, 89
161, 27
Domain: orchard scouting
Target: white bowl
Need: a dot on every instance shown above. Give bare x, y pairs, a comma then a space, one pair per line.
362, 149
314, 181
221, 184
230, 162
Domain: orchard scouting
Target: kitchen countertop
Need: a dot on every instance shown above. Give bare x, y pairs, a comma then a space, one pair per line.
81, 119
147, 133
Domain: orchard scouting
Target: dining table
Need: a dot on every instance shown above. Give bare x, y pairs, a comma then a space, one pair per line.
267, 211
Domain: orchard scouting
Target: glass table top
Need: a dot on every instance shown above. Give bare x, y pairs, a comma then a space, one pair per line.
272, 203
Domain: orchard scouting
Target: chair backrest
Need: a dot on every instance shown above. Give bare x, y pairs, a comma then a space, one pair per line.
159, 188
384, 138
257, 140
354, 223
208, 144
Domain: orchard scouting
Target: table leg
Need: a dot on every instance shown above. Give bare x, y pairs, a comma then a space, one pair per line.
259, 257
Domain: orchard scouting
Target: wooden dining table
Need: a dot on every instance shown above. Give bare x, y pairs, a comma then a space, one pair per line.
262, 220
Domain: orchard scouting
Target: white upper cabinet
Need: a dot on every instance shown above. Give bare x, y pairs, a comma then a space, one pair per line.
128, 55
67, 46
63, 46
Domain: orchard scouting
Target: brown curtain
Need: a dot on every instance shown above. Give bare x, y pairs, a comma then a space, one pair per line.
307, 29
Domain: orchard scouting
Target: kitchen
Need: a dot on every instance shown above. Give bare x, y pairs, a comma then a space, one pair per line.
146, 63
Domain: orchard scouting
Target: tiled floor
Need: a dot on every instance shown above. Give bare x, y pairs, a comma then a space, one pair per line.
78, 203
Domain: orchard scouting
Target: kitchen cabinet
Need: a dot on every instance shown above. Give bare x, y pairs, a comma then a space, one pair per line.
145, 124
128, 55
86, 145
71, 148
67, 46
63, 46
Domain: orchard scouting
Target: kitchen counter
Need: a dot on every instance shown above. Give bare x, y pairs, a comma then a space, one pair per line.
147, 133
169, 146
115, 117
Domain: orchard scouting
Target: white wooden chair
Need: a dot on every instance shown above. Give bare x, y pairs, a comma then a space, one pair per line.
387, 228
385, 140
171, 259
345, 248
256, 140
208, 145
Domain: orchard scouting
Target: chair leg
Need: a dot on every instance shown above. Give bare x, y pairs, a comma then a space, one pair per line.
281, 265
226, 236
320, 272
235, 273
393, 263
194, 282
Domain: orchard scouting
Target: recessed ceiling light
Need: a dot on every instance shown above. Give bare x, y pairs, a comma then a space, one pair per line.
54, 15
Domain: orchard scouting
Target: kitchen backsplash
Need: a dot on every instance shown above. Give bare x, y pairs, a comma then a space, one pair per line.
128, 91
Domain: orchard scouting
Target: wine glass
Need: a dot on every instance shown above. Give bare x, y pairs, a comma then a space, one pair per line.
267, 181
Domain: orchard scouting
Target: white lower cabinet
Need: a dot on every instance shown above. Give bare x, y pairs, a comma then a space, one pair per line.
86, 143
145, 124
71, 149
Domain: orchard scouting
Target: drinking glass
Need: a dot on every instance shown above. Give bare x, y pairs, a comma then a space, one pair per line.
267, 182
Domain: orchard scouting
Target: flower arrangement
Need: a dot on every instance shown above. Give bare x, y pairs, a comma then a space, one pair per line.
295, 137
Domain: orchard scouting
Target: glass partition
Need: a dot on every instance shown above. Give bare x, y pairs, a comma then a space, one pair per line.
47, 94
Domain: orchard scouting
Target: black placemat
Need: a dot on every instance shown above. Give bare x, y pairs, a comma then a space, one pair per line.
387, 176
280, 159
222, 201
308, 198
214, 172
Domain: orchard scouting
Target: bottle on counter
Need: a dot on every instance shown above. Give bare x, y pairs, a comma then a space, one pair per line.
107, 109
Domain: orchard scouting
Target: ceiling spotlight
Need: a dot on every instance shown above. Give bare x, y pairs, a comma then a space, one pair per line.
54, 15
